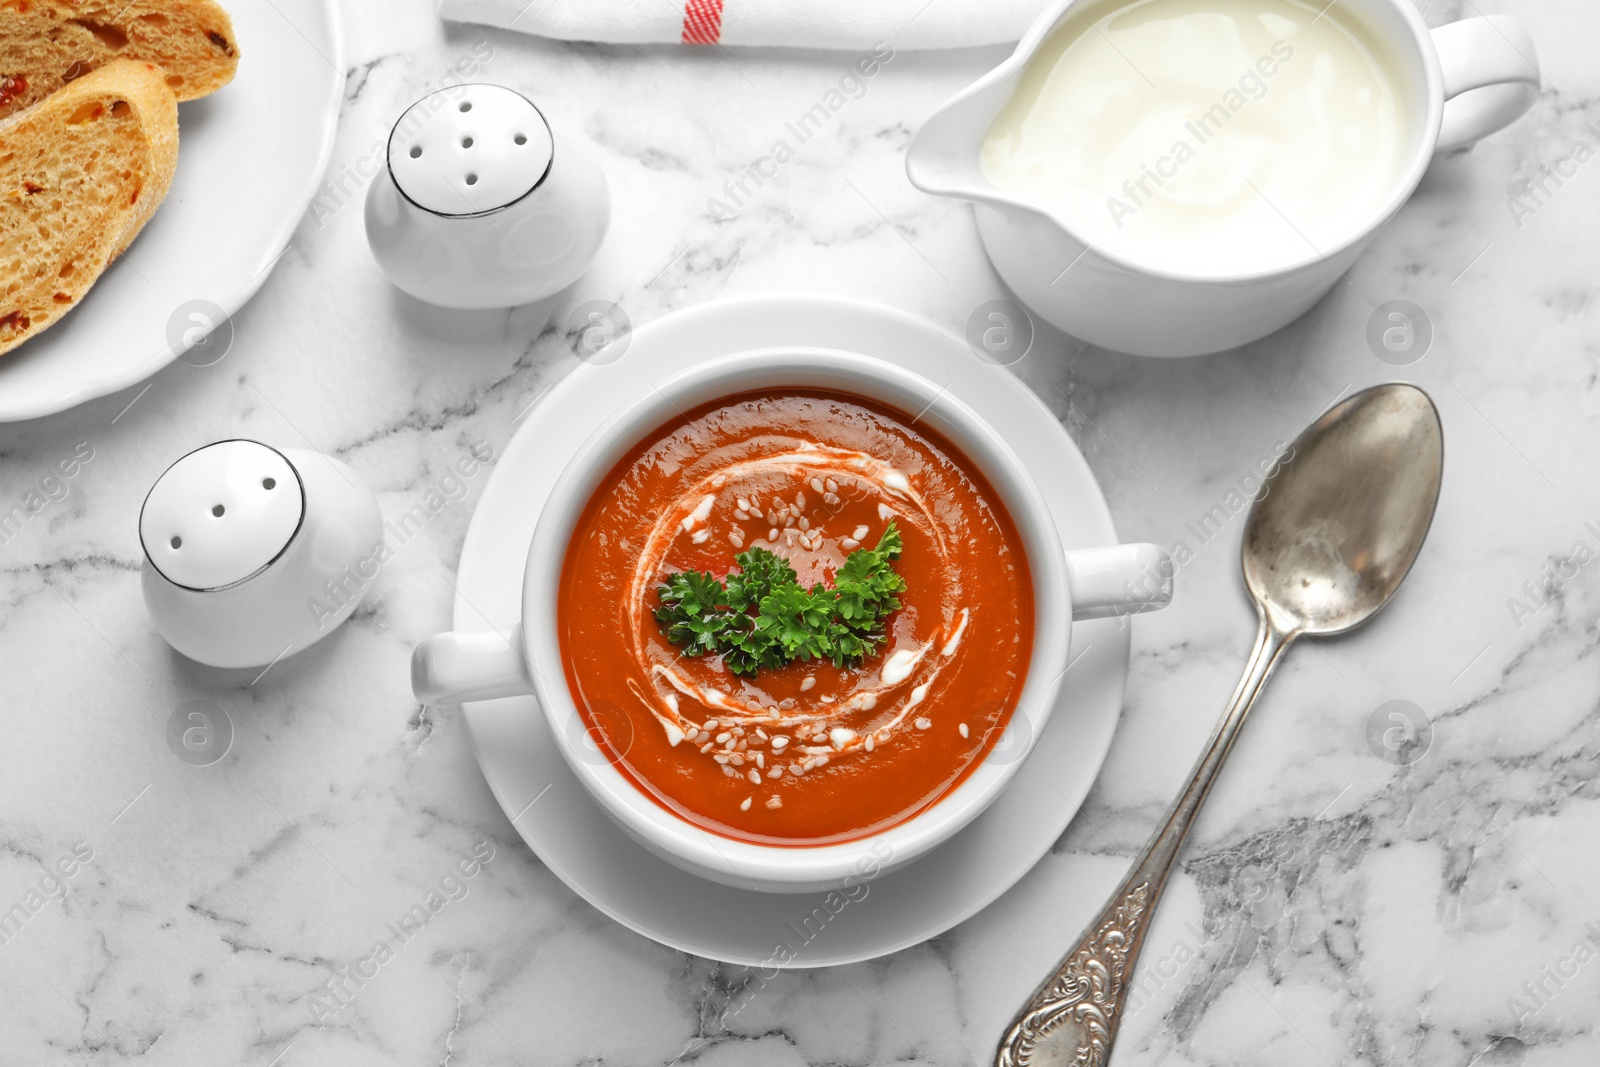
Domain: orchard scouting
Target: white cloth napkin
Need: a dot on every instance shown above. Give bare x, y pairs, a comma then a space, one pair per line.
842, 24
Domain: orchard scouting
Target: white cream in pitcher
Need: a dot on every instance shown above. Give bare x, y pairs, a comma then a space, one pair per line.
1205, 136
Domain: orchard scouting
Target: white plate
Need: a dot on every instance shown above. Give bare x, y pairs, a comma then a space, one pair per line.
250, 157
571, 834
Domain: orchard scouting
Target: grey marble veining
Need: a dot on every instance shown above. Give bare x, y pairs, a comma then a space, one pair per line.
1336, 907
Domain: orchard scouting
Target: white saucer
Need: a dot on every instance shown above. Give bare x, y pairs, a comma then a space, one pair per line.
576, 840
250, 156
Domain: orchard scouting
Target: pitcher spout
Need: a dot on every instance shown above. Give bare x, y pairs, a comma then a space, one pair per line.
943, 158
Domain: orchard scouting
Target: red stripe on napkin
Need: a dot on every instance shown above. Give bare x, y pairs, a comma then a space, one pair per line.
702, 21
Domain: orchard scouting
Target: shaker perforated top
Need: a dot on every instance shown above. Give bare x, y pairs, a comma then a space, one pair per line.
221, 514
469, 149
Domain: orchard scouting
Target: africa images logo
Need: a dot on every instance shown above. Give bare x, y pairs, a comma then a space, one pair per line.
199, 332
1399, 733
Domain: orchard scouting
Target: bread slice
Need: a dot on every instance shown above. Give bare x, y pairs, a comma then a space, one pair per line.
45, 44
80, 174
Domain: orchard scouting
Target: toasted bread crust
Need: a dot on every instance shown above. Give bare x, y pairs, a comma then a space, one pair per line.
80, 174
46, 44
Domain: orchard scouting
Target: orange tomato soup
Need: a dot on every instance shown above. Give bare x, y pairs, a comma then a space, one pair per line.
807, 753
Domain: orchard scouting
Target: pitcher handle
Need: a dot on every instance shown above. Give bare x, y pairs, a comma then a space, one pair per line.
1491, 76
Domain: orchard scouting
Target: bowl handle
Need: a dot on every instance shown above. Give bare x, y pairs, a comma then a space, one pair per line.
456, 667
1119, 580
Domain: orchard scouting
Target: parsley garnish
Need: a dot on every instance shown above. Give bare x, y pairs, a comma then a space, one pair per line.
759, 617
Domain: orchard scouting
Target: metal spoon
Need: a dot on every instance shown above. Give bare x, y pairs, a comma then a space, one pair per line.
1329, 539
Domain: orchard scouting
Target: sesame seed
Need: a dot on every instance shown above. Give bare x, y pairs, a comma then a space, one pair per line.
816, 483
788, 521
779, 743
800, 501
761, 733
711, 724
729, 771
805, 523
860, 532
868, 744
774, 802
754, 776
833, 486
745, 805
736, 759
772, 534
796, 769
723, 736
923, 724
830, 499
807, 682
720, 758
819, 761
744, 505
964, 730
849, 544
705, 748
776, 772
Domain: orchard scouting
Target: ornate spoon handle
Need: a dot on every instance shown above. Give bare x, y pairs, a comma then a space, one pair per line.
1072, 1018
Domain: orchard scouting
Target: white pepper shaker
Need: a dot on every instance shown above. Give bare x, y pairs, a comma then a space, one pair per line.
252, 553
483, 204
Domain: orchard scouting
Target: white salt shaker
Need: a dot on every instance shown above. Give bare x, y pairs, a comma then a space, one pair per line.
482, 204
251, 553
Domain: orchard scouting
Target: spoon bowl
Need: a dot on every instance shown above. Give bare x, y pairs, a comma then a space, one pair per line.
1347, 511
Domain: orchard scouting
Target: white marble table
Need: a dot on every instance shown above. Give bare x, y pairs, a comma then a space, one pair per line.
1334, 908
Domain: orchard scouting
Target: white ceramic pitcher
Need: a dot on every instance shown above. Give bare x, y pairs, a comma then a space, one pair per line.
1471, 78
